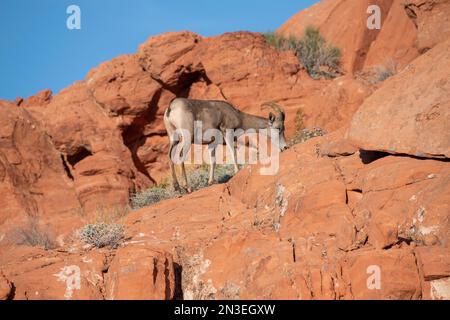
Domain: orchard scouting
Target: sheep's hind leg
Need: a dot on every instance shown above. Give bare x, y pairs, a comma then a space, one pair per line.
183, 156
212, 163
176, 185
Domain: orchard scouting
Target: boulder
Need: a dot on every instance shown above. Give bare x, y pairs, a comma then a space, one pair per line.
385, 275
51, 275
413, 107
435, 262
140, 273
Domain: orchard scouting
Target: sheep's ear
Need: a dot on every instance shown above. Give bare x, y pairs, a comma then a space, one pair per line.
271, 118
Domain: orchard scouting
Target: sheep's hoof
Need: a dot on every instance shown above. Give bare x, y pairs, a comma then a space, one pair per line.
187, 189
177, 188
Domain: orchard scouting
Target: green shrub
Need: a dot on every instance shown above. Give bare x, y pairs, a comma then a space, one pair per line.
198, 179
281, 43
315, 54
102, 234
319, 58
151, 196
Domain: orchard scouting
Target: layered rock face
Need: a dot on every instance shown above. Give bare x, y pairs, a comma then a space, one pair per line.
34, 180
360, 213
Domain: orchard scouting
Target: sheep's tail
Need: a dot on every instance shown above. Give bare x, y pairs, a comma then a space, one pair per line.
167, 112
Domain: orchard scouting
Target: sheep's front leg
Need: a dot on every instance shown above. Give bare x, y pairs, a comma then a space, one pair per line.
186, 183
212, 162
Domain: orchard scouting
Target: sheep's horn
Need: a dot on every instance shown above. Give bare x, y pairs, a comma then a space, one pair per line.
273, 106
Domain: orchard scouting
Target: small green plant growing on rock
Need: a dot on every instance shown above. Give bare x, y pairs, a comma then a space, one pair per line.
306, 134
102, 234
319, 58
299, 124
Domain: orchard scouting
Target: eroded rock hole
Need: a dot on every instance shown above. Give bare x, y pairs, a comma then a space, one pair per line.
368, 157
81, 154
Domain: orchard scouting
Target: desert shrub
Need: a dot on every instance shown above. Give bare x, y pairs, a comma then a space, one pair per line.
280, 42
319, 58
306, 134
384, 72
33, 235
198, 179
379, 73
151, 196
102, 234
315, 53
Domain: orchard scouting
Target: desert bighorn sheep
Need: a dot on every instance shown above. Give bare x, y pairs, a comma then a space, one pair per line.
220, 115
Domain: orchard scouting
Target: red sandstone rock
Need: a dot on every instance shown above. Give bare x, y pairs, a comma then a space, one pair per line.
338, 100
33, 181
412, 107
289, 236
303, 212
434, 261
139, 273
41, 98
397, 41
134, 272
431, 18
101, 166
42, 275
397, 270
5, 287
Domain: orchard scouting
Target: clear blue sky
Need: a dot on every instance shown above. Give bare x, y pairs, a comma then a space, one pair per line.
38, 51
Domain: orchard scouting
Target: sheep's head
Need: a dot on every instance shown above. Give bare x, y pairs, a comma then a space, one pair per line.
276, 121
